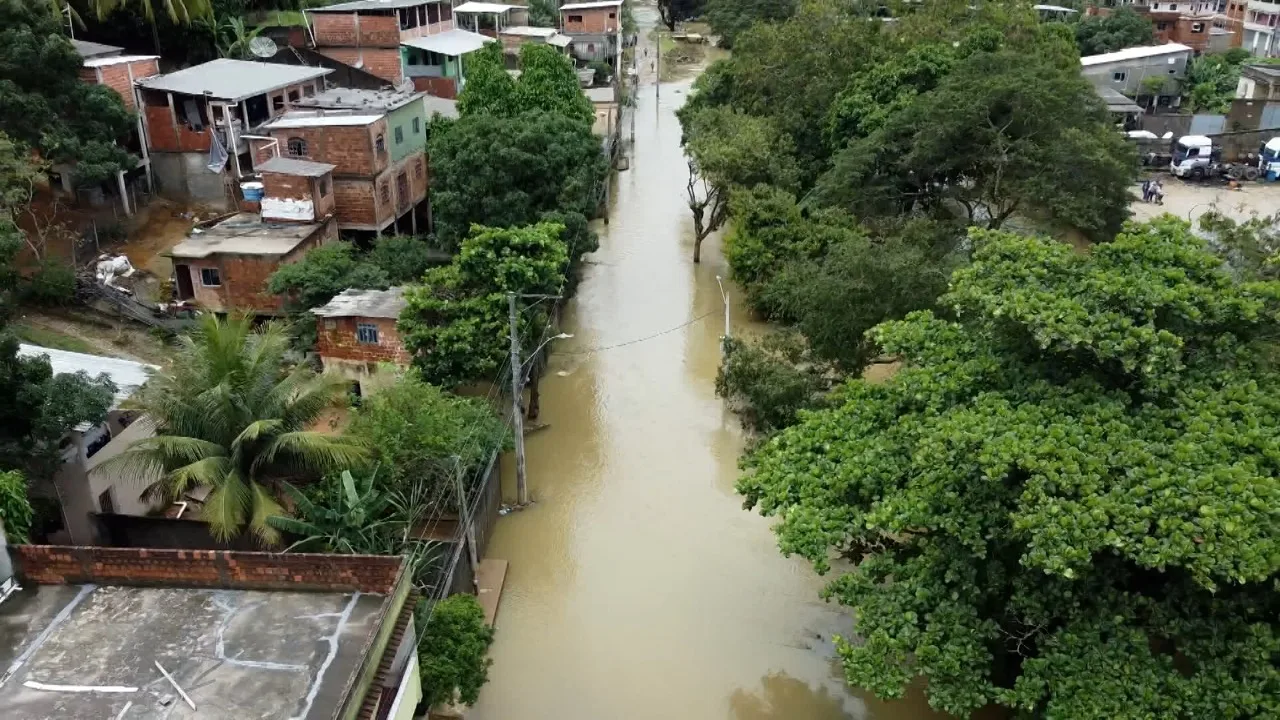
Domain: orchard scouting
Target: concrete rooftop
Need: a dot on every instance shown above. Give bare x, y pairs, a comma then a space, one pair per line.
244, 234
364, 303
84, 652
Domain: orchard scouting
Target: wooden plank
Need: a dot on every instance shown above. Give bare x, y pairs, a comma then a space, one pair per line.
489, 581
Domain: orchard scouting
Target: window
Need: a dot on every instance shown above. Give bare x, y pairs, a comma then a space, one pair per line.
1162, 26
613, 16
1197, 27
106, 503
1119, 76
277, 103
591, 47
399, 134
433, 14
297, 147
323, 187
385, 193
293, 96
308, 91
417, 126
575, 18
1173, 7
367, 333
380, 144
417, 169
209, 277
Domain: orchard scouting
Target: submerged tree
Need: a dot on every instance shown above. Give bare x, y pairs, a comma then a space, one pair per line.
231, 415
1066, 501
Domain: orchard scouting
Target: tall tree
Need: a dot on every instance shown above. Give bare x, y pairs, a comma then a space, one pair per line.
453, 651
730, 18
456, 323
44, 106
1065, 502
508, 171
1122, 28
674, 11
547, 84
179, 12
231, 415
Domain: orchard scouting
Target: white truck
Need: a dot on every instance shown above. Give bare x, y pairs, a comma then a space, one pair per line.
1195, 158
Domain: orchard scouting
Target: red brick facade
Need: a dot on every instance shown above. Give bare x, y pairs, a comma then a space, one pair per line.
438, 86
351, 148
244, 277
383, 62
352, 30
337, 338
166, 135
590, 20
61, 565
319, 190
120, 76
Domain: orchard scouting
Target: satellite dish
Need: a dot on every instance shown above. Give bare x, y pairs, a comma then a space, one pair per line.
263, 47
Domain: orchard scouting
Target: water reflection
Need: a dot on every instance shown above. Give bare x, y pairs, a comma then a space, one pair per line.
783, 697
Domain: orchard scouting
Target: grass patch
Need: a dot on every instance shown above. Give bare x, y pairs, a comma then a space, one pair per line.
272, 18
44, 337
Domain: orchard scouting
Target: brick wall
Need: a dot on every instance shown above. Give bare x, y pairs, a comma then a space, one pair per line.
438, 86
349, 148
168, 136
350, 30
282, 185
355, 203
244, 277
120, 77
594, 20
382, 62
336, 338
61, 565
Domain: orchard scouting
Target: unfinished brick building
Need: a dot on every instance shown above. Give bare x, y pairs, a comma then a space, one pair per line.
356, 336
226, 267
595, 27
367, 34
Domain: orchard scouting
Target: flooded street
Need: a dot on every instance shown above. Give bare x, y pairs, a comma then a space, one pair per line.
638, 587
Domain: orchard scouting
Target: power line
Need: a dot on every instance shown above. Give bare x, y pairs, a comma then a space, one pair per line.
602, 348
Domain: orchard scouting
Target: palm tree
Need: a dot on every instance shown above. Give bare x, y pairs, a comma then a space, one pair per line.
232, 416
180, 12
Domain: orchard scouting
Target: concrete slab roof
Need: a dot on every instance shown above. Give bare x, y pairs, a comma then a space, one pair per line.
244, 234
117, 60
444, 106
591, 5
364, 303
233, 80
451, 42
84, 652
319, 118
294, 166
359, 99
92, 49
1134, 53
528, 31
560, 41
1117, 101
358, 5
127, 375
485, 7
600, 94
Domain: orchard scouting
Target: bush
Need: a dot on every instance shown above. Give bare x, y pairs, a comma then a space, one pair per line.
53, 282
15, 509
603, 72
453, 650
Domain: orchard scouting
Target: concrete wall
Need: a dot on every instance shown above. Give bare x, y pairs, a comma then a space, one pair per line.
410, 142
1166, 67
186, 176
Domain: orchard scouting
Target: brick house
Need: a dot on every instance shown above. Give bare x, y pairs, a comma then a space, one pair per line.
184, 113
1201, 25
226, 267
595, 28
512, 38
436, 62
356, 336
368, 34
377, 148
107, 65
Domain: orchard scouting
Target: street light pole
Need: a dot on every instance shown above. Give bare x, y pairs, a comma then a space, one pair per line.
724, 296
517, 394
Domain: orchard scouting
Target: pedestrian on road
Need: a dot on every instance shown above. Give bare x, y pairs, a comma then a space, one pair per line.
1146, 191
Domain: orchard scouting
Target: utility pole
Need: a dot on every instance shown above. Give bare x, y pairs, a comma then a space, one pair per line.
517, 394
464, 517
657, 78
724, 296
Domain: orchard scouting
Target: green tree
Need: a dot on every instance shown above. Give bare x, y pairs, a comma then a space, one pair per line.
727, 150
323, 273
456, 323
38, 409
547, 84
730, 18
341, 515
15, 508
403, 258
510, 171
1123, 28
453, 650
1064, 502
543, 13
1211, 81
420, 433
674, 11
231, 415
1004, 133
771, 381
46, 107
179, 12
1250, 247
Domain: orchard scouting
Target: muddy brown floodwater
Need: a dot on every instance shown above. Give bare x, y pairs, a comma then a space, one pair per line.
639, 588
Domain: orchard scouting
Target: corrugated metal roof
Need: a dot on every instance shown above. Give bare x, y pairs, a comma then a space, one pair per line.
127, 375
234, 80
364, 303
358, 5
559, 41
451, 42
92, 49
590, 5
1134, 53
117, 60
528, 31
294, 166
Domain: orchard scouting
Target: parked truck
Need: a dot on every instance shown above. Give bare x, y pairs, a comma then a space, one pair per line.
1194, 157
